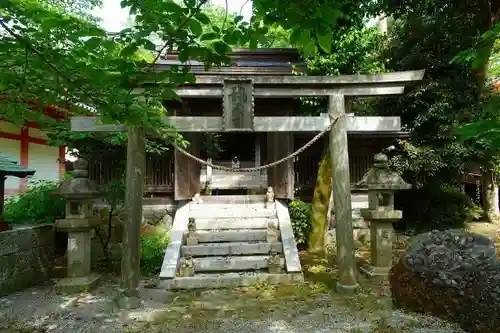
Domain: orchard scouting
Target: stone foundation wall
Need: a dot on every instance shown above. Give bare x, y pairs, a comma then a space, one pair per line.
26, 257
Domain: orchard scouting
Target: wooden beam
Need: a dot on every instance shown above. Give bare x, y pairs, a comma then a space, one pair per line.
261, 124
293, 91
404, 76
339, 162
93, 124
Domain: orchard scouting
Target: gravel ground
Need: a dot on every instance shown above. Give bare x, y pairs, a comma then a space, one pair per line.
216, 311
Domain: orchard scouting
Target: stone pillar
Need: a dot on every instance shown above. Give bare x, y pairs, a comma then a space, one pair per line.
381, 183
79, 222
339, 161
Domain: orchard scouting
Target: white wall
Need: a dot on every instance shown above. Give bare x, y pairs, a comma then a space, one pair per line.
43, 159
9, 128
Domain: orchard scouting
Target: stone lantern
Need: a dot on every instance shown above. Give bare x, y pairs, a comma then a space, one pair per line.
79, 223
381, 183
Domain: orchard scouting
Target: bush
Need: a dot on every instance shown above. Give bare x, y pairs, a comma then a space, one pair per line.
35, 206
153, 246
434, 207
300, 216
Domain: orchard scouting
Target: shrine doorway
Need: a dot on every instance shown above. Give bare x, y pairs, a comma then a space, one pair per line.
240, 150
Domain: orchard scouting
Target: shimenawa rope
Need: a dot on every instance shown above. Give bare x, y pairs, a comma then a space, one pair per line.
269, 165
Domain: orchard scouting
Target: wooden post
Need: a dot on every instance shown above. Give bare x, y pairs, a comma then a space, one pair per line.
257, 160
339, 160
2, 192
208, 178
134, 187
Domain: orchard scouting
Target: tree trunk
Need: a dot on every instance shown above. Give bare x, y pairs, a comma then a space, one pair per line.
320, 203
490, 197
131, 246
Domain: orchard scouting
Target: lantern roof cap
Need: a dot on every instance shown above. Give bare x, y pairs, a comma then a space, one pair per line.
381, 177
80, 187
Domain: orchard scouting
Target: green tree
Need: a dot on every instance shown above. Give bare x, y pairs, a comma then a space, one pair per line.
451, 92
273, 35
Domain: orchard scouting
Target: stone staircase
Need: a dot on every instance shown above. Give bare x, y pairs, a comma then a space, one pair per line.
230, 241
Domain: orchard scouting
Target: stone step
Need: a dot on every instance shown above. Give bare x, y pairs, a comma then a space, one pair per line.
235, 223
205, 206
227, 280
224, 249
228, 213
238, 264
233, 199
241, 235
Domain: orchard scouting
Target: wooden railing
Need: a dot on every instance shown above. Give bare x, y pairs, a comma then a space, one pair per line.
160, 172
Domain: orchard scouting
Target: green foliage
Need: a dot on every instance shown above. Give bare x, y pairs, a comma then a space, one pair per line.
220, 19
36, 205
439, 207
153, 246
448, 97
113, 193
300, 216
314, 24
355, 51
494, 63
48, 49
479, 54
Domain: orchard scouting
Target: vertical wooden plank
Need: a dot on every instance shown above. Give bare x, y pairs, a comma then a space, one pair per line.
2, 191
136, 165
187, 171
339, 160
257, 159
271, 156
280, 177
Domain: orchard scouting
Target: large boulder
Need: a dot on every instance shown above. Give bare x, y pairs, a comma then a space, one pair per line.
452, 274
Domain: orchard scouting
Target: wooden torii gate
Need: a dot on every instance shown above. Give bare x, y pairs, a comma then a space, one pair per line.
237, 93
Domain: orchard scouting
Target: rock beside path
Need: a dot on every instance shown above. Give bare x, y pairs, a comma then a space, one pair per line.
452, 274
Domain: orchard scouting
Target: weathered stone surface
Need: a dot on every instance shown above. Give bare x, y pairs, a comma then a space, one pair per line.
38, 259
237, 263
240, 235
452, 274
26, 238
227, 280
233, 248
361, 238
73, 285
26, 257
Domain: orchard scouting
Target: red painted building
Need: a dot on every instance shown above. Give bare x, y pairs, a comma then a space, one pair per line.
29, 145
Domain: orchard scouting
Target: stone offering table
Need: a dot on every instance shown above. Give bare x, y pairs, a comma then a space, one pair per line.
452, 274
79, 222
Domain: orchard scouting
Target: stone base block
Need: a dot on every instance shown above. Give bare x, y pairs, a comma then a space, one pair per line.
375, 273
73, 285
191, 240
227, 280
347, 290
241, 235
226, 249
235, 263
270, 205
127, 302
